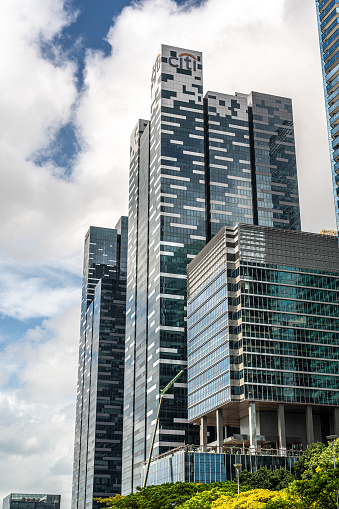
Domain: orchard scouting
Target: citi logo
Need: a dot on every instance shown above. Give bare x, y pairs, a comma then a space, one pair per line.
184, 61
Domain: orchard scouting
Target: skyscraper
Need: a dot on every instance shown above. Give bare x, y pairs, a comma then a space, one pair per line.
263, 350
251, 167
198, 164
167, 229
328, 25
98, 430
263, 337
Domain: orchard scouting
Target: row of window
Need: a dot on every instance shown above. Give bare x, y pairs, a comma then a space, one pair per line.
271, 303
292, 379
207, 306
209, 374
208, 360
210, 344
291, 394
276, 319
291, 363
210, 402
272, 346
218, 311
292, 275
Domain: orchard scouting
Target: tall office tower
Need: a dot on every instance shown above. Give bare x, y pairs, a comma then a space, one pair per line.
198, 164
98, 429
263, 343
251, 163
328, 25
167, 229
263, 335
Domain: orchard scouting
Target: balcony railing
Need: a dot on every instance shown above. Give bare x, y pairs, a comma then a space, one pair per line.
230, 450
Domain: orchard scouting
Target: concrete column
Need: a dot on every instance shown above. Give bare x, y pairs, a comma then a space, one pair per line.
336, 421
220, 437
281, 429
225, 428
203, 433
252, 421
309, 425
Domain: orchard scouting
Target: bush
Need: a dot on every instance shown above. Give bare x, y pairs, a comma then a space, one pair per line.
206, 499
264, 478
306, 465
254, 499
169, 495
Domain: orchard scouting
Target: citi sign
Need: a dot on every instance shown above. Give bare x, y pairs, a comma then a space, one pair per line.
185, 61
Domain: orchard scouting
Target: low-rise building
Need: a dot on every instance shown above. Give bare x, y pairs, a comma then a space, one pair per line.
31, 501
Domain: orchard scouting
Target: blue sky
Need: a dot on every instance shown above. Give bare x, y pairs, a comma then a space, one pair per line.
88, 31
75, 78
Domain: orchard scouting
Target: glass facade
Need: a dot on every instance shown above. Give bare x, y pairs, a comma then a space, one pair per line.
274, 168
98, 432
208, 335
193, 168
229, 183
31, 501
279, 341
328, 24
191, 465
251, 172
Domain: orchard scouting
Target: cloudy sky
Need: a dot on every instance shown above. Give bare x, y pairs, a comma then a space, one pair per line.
75, 77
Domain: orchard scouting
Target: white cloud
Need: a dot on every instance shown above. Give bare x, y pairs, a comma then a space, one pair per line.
36, 96
34, 292
37, 409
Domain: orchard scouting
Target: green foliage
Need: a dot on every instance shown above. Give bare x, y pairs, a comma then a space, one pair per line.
307, 464
283, 503
168, 496
318, 492
317, 455
264, 478
205, 499
326, 457
253, 499
314, 489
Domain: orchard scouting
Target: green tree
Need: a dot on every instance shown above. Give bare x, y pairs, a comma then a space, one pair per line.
264, 478
318, 492
166, 496
306, 465
326, 457
205, 499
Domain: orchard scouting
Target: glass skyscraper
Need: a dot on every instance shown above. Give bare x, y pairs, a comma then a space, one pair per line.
328, 24
251, 173
99, 410
263, 338
199, 163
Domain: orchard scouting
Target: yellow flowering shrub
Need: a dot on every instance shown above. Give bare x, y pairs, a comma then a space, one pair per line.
254, 499
223, 502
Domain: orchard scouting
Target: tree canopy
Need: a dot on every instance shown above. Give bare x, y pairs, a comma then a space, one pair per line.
313, 486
